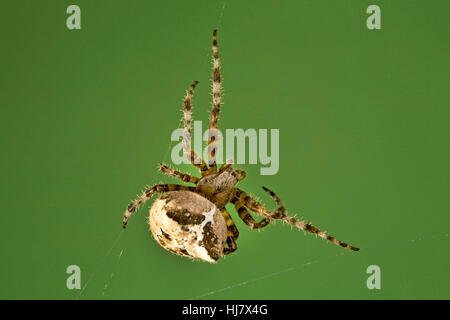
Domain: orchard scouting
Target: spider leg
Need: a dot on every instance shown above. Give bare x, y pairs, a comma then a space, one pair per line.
242, 174
280, 214
232, 246
280, 210
239, 174
246, 216
232, 232
231, 227
177, 174
245, 199
214, 115
225, 167
188, 151
159, 188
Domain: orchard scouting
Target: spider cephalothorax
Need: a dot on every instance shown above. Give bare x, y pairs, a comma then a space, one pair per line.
192, 221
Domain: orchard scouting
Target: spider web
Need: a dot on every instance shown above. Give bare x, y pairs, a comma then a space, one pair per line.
266, 276
153, 180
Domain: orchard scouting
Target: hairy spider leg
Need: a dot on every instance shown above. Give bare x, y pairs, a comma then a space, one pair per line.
188, 151
242, 174
280, 214
232, 246
232, 232
177, 174
159, 188
214, 115
280, 210
247, 217
239, 174
306, 226
224, 167
245, 199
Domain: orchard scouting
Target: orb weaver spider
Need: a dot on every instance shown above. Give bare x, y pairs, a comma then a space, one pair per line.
192, 221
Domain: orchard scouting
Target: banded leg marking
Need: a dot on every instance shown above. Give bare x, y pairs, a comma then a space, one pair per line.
247, 217
231, 227
232, 233
177, 174
214, 116
188, 151
280, 214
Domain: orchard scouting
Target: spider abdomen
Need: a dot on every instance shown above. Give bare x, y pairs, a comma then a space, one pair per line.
189, 225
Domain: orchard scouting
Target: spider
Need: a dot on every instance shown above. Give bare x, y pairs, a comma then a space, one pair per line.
192, 221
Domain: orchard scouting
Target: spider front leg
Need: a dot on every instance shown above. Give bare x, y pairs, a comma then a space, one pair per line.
177, 174
214, 115
188, 151
159, 188
232, 233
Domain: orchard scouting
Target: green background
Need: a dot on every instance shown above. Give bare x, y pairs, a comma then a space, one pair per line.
86, 116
